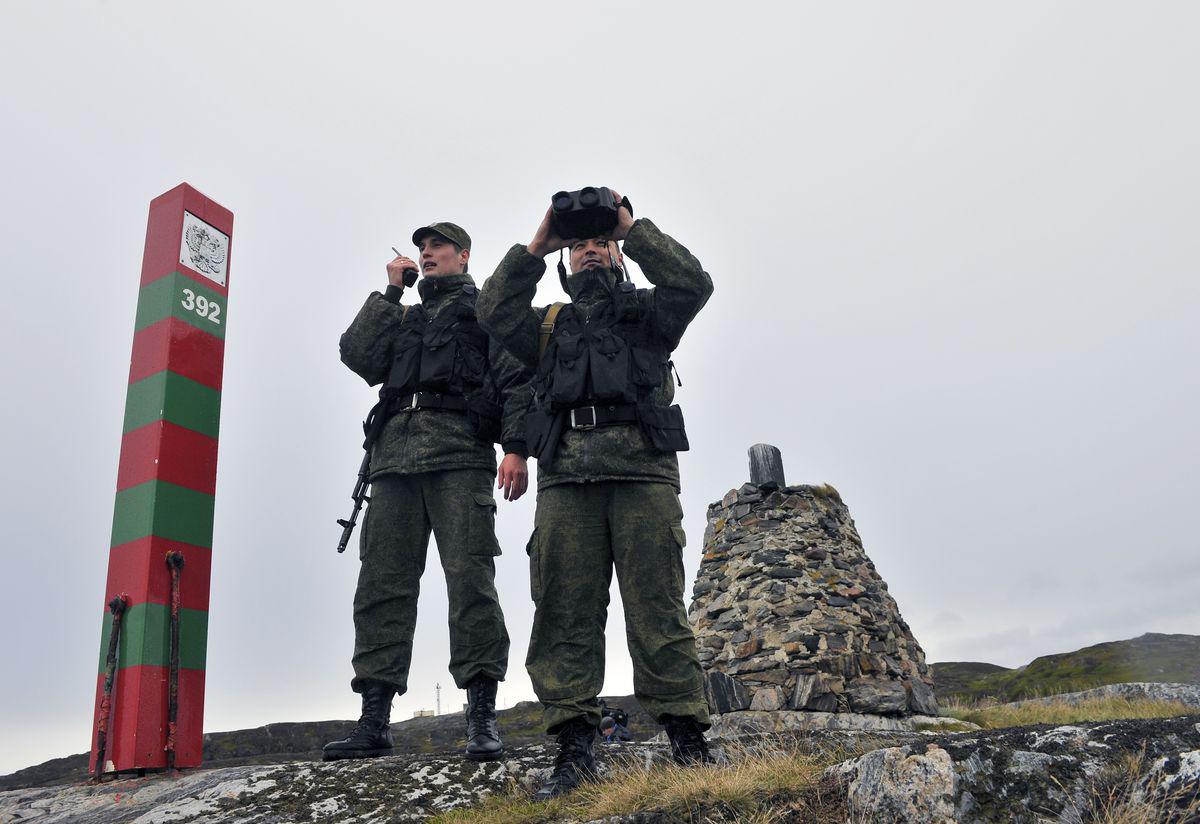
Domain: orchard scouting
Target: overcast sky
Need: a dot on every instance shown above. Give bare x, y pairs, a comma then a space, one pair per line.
955, 255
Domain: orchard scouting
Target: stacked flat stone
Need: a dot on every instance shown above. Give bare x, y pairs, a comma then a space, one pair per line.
790, 614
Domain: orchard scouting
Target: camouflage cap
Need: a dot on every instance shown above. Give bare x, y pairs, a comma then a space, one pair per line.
450, 231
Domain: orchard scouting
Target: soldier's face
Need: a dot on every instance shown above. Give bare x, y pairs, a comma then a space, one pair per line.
441, 257
593, 254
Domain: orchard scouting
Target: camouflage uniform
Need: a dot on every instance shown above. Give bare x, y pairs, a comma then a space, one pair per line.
607, 499
429, 473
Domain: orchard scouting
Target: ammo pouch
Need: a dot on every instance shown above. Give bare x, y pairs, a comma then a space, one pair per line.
568, 375
610, 368
484, 418
663, 425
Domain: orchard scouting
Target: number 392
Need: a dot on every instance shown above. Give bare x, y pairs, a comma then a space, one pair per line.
201, 305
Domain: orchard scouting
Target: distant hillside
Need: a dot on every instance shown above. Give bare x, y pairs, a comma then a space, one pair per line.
302, 741
1149, 657
954, 678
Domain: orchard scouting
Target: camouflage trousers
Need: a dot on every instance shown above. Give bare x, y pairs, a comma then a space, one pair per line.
458, 507
582, 532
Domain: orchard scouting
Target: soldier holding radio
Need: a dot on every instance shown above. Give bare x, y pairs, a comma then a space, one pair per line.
448, 395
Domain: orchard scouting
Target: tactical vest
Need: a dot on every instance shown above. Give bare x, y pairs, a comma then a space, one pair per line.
441, 362
602, 370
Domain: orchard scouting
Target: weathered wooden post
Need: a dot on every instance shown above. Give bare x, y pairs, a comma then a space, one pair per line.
766, 466
150, 710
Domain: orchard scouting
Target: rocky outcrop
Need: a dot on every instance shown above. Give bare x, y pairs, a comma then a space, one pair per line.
790, 614
751, 722
1031, 774
1026, 774
395, 788
1186, 694
302, 741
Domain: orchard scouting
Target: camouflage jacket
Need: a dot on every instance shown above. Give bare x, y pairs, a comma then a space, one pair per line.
428, 440
681, 288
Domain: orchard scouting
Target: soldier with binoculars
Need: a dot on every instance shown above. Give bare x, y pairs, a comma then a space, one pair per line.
605, 432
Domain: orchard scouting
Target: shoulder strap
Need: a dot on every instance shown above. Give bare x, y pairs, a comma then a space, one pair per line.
403, 312
548, 327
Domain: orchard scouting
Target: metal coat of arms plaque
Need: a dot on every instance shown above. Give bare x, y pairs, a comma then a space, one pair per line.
204, 248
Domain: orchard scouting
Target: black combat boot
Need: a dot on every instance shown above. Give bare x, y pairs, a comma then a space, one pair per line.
371, 736
688, 745
483, 738
575, 762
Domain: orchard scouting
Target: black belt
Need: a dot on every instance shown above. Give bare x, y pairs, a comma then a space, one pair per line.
589, 417
430, 400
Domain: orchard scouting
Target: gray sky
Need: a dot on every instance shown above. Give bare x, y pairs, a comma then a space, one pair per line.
955, 254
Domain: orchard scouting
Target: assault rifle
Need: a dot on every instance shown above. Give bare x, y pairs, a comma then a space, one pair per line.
371, 427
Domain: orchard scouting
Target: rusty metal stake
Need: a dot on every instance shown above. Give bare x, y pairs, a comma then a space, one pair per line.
117, 607
175, 564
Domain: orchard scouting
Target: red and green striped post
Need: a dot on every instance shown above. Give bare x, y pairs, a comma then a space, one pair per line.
165, 486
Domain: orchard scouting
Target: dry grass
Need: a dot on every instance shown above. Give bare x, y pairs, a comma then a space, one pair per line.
1113, 800
990, 715
770, 785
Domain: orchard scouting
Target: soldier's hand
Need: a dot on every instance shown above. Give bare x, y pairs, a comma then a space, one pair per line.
624, 219
546, 240
513, 476
397, 267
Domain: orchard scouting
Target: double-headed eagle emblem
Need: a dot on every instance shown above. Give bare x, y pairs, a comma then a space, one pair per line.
206, 249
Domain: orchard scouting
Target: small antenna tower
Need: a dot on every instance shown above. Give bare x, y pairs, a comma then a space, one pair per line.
438, 689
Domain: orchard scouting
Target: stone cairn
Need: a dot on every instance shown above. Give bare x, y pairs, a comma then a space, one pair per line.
789, 612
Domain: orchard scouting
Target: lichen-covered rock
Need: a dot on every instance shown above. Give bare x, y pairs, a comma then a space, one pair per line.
393, 788
788, 606
899, 785
1026, 774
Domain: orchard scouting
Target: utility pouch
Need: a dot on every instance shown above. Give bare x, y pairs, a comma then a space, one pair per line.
625, 302
484, 418
647, 368
406, 364
472, 367
610, 368
440, 350
663, 425
543, 428
568, 379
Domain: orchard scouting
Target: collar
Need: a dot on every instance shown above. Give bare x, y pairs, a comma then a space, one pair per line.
441, 286
589, 286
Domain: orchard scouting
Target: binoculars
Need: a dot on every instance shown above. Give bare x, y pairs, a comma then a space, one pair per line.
587, 213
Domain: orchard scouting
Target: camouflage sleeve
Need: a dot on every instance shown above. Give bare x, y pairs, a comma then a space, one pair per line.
367, 345
505, 305
512, 384
681, 286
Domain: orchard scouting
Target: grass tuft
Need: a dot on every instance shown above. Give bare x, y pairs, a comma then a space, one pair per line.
763, 785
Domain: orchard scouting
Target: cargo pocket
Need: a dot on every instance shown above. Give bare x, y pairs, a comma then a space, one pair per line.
535, 571
481, 525
677, 576
680, 536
